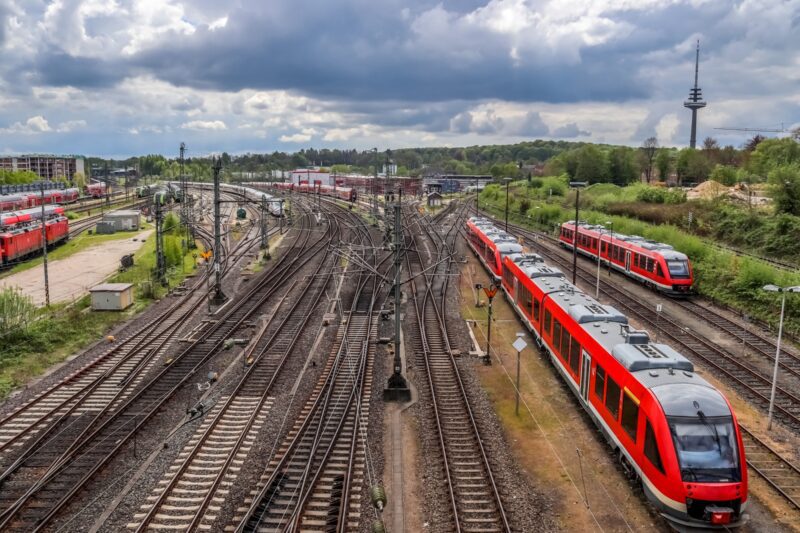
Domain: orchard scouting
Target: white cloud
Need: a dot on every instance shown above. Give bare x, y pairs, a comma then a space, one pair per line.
71, 125
204, 125
32, 126
667, 127
295, 138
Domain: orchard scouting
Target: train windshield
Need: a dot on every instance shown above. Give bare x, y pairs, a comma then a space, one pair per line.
707, 449
678, 268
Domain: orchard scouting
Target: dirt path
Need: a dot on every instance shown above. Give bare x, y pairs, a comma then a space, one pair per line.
72, 277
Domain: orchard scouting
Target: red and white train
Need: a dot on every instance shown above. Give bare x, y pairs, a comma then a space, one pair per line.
343, 193
654, 264
671, 429
23, 200
96, 190
21, 231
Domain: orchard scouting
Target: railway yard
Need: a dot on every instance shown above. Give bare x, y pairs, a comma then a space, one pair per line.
268, 411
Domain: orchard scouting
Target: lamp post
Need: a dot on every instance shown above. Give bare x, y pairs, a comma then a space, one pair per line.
599, 249
577, 185
538, 215
610, 244
783, 291
508, 181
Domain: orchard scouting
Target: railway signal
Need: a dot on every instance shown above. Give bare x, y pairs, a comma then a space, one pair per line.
490, 291
397, 387
218, 296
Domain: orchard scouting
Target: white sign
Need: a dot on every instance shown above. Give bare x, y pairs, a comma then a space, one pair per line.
519, 344
658, 308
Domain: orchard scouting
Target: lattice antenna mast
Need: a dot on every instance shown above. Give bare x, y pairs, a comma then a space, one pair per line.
695, 100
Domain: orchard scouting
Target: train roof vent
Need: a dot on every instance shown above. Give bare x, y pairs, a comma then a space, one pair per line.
528, 258
543, 271
637, 357
595, 312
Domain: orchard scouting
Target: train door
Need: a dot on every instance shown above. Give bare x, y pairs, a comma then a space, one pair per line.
585, 375
627, 260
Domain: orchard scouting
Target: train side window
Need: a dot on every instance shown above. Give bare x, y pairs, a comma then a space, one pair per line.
599, 382
536, 309
651, 447
605, 247
564, 345
547, 320
575, 356
630, 416
612, 397
556, 334
660, 272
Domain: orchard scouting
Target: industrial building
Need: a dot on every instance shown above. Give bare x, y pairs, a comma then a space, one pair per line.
49, 167
111, 296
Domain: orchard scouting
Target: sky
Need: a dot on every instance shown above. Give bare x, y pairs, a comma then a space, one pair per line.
126, 77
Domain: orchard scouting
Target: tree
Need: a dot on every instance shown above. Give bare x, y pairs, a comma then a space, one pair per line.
753, 143
785, 185
692, 166
79, 180
663, 164
725, 175
711, 149
591, 165
773, 153
649, 150
622, 168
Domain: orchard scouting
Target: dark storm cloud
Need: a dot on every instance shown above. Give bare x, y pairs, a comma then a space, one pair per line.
58, 69
568, 131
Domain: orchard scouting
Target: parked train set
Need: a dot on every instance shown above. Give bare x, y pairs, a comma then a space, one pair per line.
671, 429
652, 263
24, 200
21, 232
253, 196
343, 193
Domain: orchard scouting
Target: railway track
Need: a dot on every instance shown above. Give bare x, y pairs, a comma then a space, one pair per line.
48, 479
196, 485
779, 473
473, 494
314, 480
98, 383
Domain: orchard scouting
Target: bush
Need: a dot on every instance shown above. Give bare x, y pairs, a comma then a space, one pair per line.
171, 223
524, 205
172, 251
16, 311
535, 183
658, 195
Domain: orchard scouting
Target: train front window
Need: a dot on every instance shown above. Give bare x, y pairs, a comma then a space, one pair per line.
707, 449
678, 268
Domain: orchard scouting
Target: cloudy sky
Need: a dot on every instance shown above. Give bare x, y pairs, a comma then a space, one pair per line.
125, 77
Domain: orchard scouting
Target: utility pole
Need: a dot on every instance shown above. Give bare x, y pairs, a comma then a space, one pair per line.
218, 297
184, 210
161, 263
397, 388
44, 253
374, 200
264, 227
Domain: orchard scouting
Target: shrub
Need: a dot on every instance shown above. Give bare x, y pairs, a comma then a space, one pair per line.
171, 223
16, 311
535, 183
524, 205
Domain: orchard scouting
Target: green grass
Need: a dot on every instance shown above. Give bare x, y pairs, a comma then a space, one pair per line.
63, 330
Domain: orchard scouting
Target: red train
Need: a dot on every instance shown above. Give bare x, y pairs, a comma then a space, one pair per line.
491, 244
343, 193
24, 200
21, 232
671, 429
96, 190
655, 264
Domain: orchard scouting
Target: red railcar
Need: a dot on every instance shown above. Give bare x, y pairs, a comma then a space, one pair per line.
655, 264
12, 202
96, 190
491, 244
671, 429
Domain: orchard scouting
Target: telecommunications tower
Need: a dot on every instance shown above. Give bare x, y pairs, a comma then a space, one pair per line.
695, 100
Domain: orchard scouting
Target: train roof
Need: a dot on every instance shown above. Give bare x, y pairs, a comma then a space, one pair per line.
678, 392
609, 327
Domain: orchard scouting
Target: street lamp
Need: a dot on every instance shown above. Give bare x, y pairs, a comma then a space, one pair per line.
577, 185
599, 248
538, 215
610, 244
783, 290
508, 181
